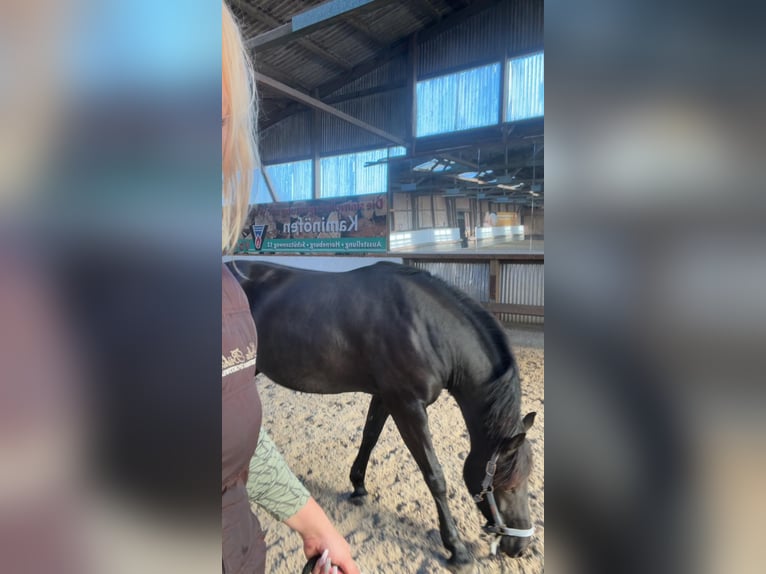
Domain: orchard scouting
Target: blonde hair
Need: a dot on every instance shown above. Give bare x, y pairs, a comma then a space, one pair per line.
240, 153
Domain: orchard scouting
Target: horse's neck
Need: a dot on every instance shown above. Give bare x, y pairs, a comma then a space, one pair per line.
474, 414
491, 409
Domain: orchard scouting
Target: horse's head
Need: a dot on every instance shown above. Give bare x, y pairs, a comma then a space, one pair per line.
509, 520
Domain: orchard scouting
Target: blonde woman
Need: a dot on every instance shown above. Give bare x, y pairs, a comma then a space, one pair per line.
252, 468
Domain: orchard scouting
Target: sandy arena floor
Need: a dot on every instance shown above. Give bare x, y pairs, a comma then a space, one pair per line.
396, 530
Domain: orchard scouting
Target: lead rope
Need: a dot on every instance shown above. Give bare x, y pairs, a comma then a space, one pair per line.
236, 269
310, 564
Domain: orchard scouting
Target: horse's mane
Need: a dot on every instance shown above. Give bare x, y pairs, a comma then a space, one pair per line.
501, 400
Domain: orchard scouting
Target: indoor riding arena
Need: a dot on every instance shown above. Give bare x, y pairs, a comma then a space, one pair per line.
396, 529
410, 132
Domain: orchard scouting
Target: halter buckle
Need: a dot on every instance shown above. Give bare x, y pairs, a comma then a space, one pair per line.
491, 467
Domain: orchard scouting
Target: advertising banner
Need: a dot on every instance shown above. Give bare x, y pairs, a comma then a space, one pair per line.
338, 225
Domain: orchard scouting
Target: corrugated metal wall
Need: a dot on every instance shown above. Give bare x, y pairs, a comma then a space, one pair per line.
518, 283
385, 111
391, 73
288, 139
522, 284
511, 27
472, 278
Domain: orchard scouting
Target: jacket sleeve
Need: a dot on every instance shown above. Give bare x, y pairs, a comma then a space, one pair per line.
271, 484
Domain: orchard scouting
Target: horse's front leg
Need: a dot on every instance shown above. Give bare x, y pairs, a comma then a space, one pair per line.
376, 419
412, 421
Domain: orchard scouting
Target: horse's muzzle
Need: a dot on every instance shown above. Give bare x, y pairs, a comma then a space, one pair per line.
513, 546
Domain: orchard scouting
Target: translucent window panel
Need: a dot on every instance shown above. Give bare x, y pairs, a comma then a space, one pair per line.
259, 193
292, 181
526, 83
460, 101
344, 175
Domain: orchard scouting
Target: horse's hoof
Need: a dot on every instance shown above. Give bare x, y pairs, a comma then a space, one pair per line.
461, 563
358, 496
461, 568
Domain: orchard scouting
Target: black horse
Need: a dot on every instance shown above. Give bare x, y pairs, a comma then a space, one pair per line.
403, 335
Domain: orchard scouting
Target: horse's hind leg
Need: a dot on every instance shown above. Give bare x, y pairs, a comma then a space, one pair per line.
376, 419
412, 421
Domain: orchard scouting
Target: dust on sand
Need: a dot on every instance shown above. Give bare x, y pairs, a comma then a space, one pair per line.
396, 530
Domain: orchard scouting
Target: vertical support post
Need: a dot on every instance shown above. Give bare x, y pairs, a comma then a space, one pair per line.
433, 212
269, 184
412, 88
494, 271
504, 92
389, 208
414, 204
315, 165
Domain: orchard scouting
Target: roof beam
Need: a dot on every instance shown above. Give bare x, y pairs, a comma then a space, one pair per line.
271, 71
428, 8
309, 21
455, 18
364, 32
450, 157
290, 109
322, 107
400, 47
269, 184
397, 49
308, 45
456, 4
294, 107
363, 68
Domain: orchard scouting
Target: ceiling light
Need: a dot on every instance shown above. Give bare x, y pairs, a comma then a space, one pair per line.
515, 187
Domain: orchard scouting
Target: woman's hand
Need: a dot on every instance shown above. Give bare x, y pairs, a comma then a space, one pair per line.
320, 537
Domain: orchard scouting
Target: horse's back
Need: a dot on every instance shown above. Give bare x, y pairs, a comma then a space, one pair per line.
362, 329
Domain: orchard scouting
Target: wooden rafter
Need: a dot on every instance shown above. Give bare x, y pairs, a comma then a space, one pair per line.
316, 104
308, 45
308, 21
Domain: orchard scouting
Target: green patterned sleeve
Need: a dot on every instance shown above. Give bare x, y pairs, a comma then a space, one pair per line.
271, 484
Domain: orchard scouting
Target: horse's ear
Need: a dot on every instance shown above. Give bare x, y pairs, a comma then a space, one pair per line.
512, 444
528, 420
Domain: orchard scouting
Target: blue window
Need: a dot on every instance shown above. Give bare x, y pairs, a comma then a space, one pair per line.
259, 193
291, 181
460, 101
347, 174
526, 94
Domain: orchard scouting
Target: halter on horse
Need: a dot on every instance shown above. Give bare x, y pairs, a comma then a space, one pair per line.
499, 529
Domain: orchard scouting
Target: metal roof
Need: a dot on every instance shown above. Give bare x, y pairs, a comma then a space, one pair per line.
334, 49
361, 63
